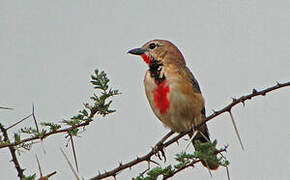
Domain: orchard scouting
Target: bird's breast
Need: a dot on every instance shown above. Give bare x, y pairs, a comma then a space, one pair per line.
173, 101
160, 98
157, 94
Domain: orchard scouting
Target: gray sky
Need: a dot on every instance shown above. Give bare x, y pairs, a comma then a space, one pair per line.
49, 49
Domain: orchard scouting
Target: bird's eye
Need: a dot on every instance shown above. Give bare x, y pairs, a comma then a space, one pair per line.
152, 45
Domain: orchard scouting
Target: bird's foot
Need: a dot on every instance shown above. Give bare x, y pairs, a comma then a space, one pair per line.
159, 151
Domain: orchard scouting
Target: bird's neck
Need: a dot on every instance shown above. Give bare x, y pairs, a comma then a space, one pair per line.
155, 68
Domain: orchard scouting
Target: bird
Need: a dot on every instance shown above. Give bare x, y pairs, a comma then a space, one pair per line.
173, 92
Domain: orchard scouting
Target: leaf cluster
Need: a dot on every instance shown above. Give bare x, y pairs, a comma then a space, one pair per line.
101, 104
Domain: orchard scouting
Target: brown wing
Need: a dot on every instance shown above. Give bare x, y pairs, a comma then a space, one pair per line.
204, 137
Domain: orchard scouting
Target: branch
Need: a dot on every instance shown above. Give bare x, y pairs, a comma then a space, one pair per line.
65, 130
45, 135
100, 105
161, 145
242, 99
13, 153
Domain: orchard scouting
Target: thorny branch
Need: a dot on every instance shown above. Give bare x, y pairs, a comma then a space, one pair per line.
64, 130
13, 153
161, 145
158, 148
101, 106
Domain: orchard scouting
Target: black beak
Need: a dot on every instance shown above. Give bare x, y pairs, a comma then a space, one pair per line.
137, 51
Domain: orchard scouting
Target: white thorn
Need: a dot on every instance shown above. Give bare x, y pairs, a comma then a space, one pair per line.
236, 130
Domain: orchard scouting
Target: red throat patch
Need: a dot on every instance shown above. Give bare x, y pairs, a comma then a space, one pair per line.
160, 97
146, 58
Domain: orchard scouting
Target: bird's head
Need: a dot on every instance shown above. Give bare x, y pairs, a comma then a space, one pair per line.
162, 51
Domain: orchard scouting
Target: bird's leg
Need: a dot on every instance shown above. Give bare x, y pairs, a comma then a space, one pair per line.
166, 137
159, 146
190, 140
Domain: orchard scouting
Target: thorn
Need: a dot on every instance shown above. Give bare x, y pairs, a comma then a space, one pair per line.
204, 137
74, 153
137, 158
243, 102
214, 111
51, 174
234, 99
177, 142
228, 173
236, 130
226, 147
35, 121
154, 162
278, 84
254, 91
7, 108
120, 163
192, 165
18, 122
39, 168
70, 165
209, 171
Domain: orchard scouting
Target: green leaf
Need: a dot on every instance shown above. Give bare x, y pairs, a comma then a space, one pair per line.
31, 177
52, 126
17, 137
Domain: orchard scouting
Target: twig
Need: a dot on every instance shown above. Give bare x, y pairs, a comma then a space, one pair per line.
160, 144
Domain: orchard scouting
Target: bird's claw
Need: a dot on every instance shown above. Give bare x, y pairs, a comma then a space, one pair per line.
159, 151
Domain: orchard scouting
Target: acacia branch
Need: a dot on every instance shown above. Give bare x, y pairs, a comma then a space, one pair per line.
65, 130
161, 145
100, 106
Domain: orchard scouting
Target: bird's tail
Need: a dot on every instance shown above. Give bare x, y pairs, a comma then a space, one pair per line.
202, 137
